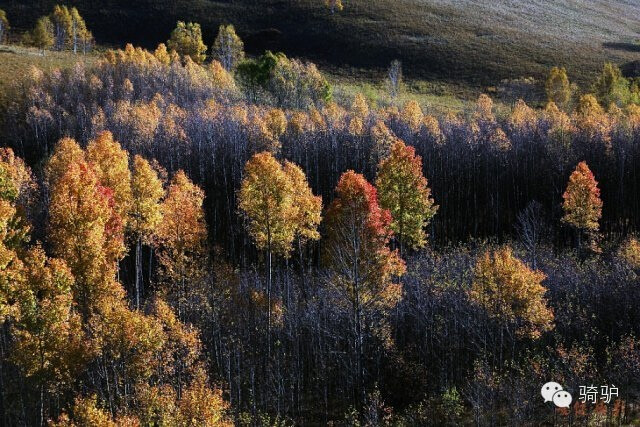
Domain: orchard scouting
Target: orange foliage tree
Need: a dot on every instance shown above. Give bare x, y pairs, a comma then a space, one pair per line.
84, 227
582, 205
357, 253
111, 165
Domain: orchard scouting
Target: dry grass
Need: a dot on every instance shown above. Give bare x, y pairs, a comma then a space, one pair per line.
16, 61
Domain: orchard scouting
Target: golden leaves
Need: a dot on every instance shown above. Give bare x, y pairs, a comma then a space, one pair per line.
511, 292
278, 204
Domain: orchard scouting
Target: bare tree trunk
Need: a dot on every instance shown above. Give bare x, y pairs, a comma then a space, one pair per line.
269, 278
139, 277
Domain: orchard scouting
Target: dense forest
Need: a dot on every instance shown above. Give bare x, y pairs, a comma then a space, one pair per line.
190, 237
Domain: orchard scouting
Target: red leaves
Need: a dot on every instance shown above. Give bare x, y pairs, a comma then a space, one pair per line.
358, 233
356, 196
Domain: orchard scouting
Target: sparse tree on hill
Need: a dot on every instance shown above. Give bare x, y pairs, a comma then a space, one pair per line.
395, 78
558, 88
611, 87
80, 34
334, 5
186, 39
42, 35
63, 26
228, 48
4, 26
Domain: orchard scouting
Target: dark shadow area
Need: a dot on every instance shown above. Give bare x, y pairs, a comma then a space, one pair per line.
627, 47
631, 69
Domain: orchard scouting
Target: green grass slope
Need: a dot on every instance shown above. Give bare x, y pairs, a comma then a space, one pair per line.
470, 42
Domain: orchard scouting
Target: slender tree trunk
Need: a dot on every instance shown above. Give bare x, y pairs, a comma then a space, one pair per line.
41, 403
138, 271
269, 278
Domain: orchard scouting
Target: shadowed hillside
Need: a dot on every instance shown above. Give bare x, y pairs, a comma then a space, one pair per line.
478, 42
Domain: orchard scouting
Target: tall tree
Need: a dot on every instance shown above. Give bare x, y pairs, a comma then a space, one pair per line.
186, 39
84, 228
228, 48
182, 235
404, 192
50, 344
4, 26
558, 88
80, 34
278, 206
42, 35
145, 214
266, 200
63, 26
357, 253
582, 204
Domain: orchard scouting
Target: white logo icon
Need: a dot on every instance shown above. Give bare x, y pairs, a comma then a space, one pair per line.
548, 390
553, 392
562, 399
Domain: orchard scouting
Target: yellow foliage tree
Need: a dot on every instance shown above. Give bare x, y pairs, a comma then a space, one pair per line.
84, 228
228, 48
49, 342
111, 165
42, 34
511, 292
145, 214
278, 204
334, 5
558, 88
15, 183
630, 252
186, 39
182, 235
404, 192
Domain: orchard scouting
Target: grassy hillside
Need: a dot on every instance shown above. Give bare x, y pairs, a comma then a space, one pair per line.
474, 42
16, 61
